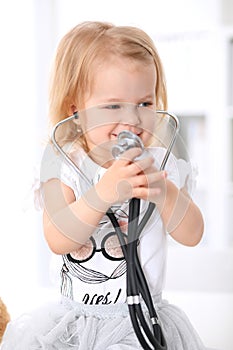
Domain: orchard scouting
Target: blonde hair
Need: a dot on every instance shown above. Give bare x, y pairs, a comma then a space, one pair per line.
73, 69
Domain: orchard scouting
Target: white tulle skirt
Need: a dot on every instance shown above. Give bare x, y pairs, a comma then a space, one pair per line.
69, 325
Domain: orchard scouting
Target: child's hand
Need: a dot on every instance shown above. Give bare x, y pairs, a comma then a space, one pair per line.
126, 179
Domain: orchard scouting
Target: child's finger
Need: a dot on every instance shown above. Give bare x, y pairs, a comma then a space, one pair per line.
143, 165
148, 180
130, 155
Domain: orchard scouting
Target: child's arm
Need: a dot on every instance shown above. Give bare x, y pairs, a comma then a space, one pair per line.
68, 223
181, 216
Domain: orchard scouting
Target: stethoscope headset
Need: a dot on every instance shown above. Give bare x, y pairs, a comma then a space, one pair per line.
137, 287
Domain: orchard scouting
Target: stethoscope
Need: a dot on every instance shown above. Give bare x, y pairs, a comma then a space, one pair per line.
137, 287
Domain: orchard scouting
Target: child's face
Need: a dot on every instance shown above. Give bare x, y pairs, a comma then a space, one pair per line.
127, 91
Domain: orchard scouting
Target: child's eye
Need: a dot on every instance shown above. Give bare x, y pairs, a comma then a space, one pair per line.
112, 106
145, 104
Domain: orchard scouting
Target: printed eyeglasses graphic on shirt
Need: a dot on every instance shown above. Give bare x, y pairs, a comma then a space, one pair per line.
110, 248
110, 245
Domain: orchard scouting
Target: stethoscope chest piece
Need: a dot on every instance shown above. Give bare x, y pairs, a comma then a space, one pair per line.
126, 140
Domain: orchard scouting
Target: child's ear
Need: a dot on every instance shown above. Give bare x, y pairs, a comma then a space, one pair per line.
73, 109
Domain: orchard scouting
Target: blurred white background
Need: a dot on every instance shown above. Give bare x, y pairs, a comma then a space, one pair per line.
195, 41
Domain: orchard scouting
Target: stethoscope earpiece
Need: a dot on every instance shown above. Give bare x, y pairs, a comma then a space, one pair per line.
75, 115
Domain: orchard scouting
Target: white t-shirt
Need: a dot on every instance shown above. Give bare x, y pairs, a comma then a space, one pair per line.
91, 276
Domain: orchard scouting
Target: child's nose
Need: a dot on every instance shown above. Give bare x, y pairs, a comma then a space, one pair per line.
131, 116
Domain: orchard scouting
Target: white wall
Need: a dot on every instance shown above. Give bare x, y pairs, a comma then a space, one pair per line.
17, 142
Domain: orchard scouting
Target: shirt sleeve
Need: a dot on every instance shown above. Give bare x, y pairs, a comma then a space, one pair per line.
180, 172
53, 166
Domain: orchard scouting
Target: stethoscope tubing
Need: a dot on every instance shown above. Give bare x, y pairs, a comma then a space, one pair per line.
63, 153
137, 286
136, 282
